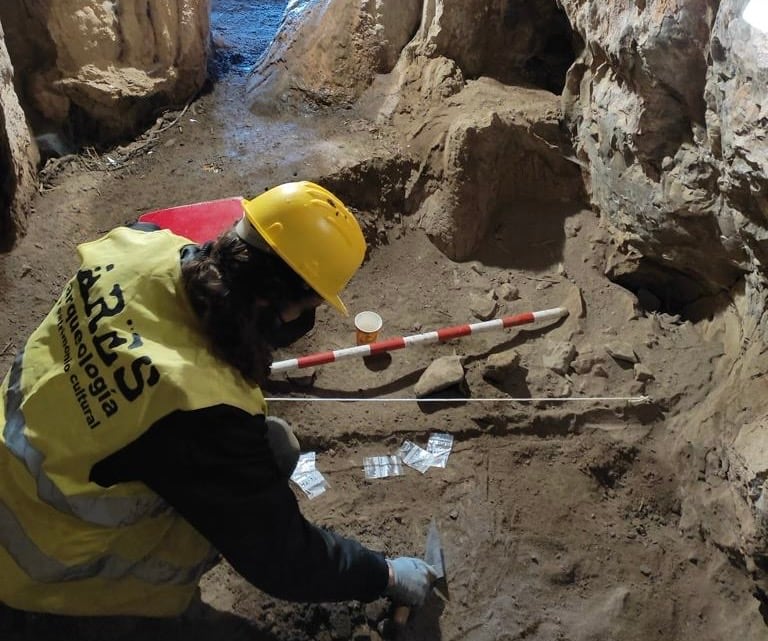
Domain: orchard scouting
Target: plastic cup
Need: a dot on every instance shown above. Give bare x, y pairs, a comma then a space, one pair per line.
367, 326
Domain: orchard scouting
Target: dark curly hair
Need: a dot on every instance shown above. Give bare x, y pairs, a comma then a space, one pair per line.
237, 292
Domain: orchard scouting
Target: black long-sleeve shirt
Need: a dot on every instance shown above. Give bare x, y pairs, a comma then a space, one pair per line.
215, 467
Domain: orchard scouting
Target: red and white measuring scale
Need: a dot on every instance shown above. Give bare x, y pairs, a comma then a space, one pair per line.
437, 336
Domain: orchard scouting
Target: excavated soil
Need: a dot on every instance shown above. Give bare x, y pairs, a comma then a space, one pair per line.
560, 519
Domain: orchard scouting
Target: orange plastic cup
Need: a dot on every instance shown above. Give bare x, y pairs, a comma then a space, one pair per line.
367, 327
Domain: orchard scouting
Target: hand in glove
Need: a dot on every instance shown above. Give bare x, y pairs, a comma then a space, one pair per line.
410, 580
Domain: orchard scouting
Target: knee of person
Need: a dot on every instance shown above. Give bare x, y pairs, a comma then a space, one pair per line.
284, 445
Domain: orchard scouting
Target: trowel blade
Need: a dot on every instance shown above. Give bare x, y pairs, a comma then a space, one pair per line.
434, 556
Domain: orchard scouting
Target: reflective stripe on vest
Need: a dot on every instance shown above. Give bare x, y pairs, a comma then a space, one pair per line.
101, 510
41, 567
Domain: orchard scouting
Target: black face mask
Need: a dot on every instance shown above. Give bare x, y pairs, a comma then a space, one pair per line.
282, 334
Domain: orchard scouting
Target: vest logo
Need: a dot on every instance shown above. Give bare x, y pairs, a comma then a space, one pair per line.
91, 345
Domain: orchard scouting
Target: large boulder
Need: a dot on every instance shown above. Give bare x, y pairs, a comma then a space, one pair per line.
484, 166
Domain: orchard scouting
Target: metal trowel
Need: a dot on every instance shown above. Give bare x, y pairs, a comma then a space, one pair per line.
433, 555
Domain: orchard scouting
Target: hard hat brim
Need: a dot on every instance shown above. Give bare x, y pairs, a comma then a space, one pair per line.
337, 303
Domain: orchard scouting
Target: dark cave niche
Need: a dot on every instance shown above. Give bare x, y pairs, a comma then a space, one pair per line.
7, 188
665, 290
547, 67
762, 599
542, 41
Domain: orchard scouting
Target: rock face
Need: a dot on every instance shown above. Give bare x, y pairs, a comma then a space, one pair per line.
18, 157
102, 68
328, 51
648, 112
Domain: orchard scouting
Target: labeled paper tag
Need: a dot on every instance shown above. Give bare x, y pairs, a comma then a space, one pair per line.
378, 467
416, 457
309, 479
439, 446
312, 483
305, 464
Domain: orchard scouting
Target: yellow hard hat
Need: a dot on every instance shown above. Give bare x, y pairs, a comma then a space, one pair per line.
312, 231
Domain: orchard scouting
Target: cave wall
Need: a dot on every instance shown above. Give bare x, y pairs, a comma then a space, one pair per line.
88, 72
18, 157
644, 102
98, 71
327, 52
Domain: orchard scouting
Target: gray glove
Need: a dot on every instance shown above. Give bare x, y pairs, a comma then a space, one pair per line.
410, 580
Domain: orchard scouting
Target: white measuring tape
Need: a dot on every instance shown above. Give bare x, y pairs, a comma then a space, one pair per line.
556, 399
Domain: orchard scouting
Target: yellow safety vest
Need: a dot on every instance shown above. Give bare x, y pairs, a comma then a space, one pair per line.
120, 349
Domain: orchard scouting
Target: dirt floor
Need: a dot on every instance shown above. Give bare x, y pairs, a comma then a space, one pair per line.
560, 519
